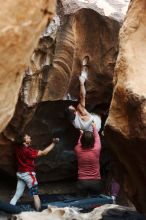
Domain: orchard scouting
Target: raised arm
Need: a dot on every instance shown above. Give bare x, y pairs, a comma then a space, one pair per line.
48, 149
77, 147
82, 80
95, 132
79, 140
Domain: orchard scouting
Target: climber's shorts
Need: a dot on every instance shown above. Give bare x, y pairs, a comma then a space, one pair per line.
29, 178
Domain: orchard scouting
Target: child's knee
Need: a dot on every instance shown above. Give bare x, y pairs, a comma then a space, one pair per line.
33, 190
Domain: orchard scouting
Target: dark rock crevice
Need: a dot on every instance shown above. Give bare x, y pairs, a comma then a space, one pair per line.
53, 75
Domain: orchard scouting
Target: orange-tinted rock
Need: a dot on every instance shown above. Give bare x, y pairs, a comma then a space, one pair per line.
84, 33
114, 9
126, 124
108, 211
21, 23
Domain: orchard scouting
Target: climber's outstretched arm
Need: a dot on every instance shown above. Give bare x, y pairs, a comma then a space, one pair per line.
82, 91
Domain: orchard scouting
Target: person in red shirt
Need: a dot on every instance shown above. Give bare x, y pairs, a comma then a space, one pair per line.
26, 175
88, 153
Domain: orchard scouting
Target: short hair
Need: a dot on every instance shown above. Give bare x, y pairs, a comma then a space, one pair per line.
70, 114
87, 139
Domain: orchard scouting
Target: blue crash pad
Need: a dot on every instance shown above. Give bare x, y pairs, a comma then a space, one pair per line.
83, 203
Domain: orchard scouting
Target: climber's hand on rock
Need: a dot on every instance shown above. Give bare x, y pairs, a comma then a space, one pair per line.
56, 140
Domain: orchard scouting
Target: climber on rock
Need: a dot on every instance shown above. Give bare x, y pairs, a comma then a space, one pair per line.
26, 175
79, 116
88, 155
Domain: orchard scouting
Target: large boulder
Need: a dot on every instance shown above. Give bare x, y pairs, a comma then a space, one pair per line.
84, 33
108, 211
110, 8
53, 75
21, 23
126, 124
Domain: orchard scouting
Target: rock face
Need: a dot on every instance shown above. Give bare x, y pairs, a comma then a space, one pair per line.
53, 75
126, 124
110, 8
108, 211
85, 33
56, 62
21, 23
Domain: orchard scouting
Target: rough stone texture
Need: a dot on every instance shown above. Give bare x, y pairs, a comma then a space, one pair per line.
104, 212
47, 121
41, 59
126, 124
21, 23
84, 33
56, 62
94, 37
111, 8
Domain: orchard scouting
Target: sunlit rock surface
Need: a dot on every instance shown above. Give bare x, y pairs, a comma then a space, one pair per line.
84, 33
56, 62
104, 212
21, 23
52, 75
126, 125
112, 8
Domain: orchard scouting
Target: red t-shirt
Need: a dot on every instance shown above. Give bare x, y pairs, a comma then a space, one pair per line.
25, 158
88, 159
